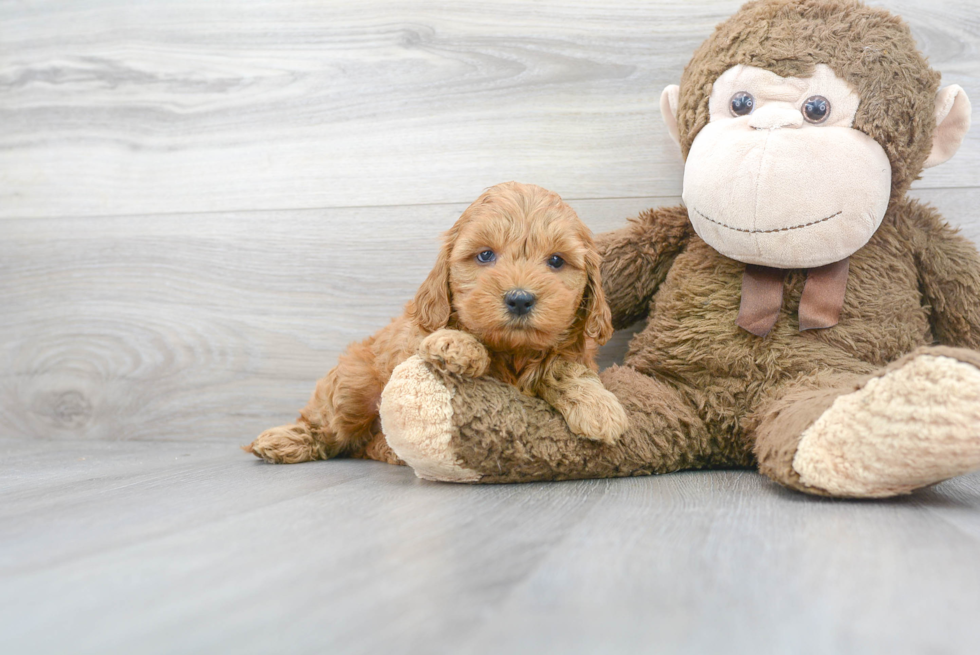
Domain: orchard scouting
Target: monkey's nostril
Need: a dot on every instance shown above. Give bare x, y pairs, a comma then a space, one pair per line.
519, 302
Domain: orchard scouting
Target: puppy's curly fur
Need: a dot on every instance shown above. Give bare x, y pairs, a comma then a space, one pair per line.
514, 238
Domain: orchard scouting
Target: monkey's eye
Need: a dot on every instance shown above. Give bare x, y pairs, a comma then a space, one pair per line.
742, 104
556, 262
486, 257
816, 109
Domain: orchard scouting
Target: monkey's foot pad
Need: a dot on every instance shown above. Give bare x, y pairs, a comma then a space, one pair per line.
916, 425
417, 420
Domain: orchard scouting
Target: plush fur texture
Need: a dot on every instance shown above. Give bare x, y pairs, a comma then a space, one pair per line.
702, 392
459, 322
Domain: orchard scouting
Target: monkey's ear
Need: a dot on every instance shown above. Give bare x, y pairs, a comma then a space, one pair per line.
668, 108
952, 122
432, 304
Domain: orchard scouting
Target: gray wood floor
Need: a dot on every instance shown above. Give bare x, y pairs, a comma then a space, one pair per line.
202, 203
181, 547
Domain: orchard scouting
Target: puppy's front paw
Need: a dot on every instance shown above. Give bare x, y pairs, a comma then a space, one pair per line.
455, 352
597, 415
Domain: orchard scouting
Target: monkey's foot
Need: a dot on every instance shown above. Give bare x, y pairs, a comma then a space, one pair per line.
916, 425
417, 420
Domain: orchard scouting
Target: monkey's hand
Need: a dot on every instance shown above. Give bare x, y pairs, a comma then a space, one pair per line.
455, 352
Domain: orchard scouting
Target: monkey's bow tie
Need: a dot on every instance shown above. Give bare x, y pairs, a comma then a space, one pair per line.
820, 304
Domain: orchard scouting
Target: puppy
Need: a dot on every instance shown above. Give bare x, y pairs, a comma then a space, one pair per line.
515, 294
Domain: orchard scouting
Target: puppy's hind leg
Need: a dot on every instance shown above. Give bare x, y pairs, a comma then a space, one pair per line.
338, 419
286, 444
309, 438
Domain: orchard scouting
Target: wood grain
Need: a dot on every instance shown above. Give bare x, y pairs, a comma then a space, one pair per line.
154, 548
113, 108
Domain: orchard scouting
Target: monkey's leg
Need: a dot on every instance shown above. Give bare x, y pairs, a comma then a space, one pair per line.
909, 425
459, 429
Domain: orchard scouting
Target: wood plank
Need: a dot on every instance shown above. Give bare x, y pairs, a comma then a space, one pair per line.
157, 107
747, 568
215, 552
359, 535
102, 495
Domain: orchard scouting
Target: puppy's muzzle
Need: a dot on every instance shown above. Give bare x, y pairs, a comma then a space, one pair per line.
519, 302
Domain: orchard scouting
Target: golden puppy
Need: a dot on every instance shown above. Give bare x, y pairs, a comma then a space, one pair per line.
515, 294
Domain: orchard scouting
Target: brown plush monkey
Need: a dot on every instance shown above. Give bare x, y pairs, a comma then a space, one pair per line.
804, 315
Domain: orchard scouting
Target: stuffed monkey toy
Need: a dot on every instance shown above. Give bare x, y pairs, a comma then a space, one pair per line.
803, 315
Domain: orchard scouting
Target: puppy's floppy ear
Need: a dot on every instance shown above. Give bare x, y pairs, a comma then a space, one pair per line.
433, 304
597, 320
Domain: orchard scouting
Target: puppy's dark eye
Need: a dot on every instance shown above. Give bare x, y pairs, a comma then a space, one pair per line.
486, 257
742, 104
556, 262
816, 109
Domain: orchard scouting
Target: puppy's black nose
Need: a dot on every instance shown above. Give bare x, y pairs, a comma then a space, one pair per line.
519, 302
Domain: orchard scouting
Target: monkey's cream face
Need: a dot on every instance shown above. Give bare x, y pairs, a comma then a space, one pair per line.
779, 177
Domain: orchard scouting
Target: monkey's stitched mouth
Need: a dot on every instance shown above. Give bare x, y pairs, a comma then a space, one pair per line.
777, 229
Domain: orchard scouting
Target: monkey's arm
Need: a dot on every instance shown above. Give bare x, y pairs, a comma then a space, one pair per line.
636, 258
949, 272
